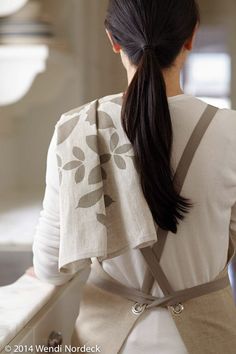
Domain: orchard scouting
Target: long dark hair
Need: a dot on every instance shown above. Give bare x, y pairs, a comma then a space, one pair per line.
152, 34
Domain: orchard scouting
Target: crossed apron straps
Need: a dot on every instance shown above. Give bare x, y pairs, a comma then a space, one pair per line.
152, 255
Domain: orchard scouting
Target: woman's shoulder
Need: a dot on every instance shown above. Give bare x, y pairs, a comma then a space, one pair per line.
225, 127
102, 113
227, 112
226, 117
227, 121
95, 105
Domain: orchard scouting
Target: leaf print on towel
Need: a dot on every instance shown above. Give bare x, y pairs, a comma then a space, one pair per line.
91, 141
78, 153
65, 130
101, 218
117, 100
104, 174
108, 200
72, 165
105, 158
59, 164
90, 199
92, 113
95, 175
117, 151
79, 174
114, 141
77, 164
120, 162
123, 149
59, 161
105, 121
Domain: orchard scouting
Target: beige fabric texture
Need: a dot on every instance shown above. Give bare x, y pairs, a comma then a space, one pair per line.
207, 324
98, 183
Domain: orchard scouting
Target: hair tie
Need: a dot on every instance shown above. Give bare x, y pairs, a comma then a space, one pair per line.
148, 47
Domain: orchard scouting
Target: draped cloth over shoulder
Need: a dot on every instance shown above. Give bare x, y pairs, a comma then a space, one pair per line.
103, 211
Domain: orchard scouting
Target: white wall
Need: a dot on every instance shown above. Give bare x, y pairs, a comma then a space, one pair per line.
222, 13
8, 161
88, 70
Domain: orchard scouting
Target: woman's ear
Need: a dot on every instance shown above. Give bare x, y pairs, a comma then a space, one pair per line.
190, 42
116, 47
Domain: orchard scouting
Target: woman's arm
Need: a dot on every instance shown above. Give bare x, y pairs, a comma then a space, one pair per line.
47, 236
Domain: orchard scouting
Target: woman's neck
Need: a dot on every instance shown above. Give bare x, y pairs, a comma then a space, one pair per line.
171, 77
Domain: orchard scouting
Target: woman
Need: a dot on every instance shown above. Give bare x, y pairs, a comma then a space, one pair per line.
136, 192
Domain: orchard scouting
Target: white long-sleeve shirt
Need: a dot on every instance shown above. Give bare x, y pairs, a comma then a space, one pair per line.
196, 254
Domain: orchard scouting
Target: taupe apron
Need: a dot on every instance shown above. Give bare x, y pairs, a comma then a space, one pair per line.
205, 315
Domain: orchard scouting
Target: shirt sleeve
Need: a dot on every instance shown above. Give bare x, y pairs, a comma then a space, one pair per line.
47, 236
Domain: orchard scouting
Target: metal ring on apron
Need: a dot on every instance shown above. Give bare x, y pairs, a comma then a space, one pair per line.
138, 309
178, 308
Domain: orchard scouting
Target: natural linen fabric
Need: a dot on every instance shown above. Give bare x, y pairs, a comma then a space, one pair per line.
206, 325
102, 207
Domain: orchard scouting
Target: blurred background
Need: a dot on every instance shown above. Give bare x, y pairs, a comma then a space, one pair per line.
55, 56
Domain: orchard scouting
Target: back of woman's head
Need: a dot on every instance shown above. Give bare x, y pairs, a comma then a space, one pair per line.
152, 33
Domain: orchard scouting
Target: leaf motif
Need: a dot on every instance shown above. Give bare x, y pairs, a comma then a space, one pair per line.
104, 174
95, 175
105, 158
78, 153
90, 199
92, 114
65, 130
92, 142
101, 218
79, 174
108, 200
105, 121
60, 177
114, 141
120, 162
59, 161
72, 165
118, 100
123, 149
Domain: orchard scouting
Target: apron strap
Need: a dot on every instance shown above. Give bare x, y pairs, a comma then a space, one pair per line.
99, 278
152, 255
103, 281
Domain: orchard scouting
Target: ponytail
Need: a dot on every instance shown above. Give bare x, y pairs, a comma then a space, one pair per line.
152, 34
147, 123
